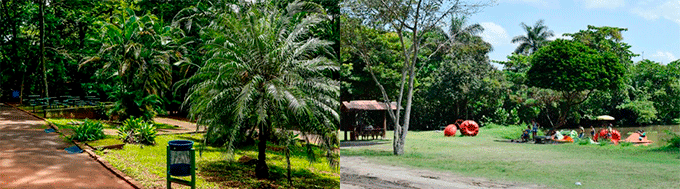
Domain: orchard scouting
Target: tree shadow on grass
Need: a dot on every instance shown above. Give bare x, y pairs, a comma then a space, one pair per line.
366, 152
235, 174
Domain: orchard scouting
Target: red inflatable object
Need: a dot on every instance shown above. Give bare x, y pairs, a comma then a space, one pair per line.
601, 134
469, 128
616, 135
450, 130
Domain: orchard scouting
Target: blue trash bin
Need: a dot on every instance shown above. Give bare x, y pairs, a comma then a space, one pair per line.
179, 157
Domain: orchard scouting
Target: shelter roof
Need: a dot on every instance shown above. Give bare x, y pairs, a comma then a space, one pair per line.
366, 105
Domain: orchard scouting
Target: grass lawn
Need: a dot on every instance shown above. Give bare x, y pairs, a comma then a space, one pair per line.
553, 165
146, 164
106, 141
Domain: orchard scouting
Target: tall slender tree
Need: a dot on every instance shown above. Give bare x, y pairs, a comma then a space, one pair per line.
536, 37
42, 46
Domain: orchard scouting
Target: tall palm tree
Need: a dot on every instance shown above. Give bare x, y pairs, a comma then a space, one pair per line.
263, 68
537, 37
461, 32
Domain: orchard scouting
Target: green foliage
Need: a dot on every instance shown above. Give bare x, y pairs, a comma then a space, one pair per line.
134, 104
606, 39
136, 130
88, 131
136, 53
571, 66
674, 140
644, 110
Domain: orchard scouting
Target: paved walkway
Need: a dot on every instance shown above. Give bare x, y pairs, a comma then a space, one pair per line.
31, 158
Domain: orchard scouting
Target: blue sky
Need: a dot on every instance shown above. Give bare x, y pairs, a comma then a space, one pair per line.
653, 25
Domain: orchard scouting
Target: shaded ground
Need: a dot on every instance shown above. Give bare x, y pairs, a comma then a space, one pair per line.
357, 143
182, 126
31, 158
357, 172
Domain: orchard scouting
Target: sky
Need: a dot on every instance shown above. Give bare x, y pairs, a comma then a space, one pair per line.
653, 25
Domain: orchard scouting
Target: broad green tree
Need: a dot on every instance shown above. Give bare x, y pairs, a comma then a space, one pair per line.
575, 70
536, 37
259, 67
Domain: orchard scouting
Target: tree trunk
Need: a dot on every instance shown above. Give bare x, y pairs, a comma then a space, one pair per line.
399, 147
42, 45
290, 180
261, 169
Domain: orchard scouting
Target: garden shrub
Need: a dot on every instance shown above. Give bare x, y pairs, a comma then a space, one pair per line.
136, 130
88, 131
674, 141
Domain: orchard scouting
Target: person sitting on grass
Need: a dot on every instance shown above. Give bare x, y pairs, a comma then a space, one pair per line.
557, 136
581, 132
525, 136
641, 133
592, 132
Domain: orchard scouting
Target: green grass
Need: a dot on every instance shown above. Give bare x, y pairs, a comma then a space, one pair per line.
146, 164
164, 126
106, 141
556, 166
65, 123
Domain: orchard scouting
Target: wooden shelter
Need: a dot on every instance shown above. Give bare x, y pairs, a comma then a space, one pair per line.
349, 117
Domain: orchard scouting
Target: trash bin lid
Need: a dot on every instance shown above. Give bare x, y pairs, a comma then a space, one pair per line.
180, 145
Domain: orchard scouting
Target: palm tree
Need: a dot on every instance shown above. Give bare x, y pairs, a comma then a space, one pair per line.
137, 54
537, 36
461, 32
263, 68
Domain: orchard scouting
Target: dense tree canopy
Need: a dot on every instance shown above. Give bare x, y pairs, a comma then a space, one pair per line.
571, 66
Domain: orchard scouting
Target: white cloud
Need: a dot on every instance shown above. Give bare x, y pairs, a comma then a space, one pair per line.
647, 14
494, 34
669, 10
608, 4
664, 57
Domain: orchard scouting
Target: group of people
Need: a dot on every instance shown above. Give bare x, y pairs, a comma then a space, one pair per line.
532, 130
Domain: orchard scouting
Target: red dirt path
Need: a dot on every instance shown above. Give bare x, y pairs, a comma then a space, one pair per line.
31, 158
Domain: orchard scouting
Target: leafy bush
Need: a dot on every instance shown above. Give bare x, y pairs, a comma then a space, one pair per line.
676, 121
146, 134
136, 130
88, 131
674, 141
